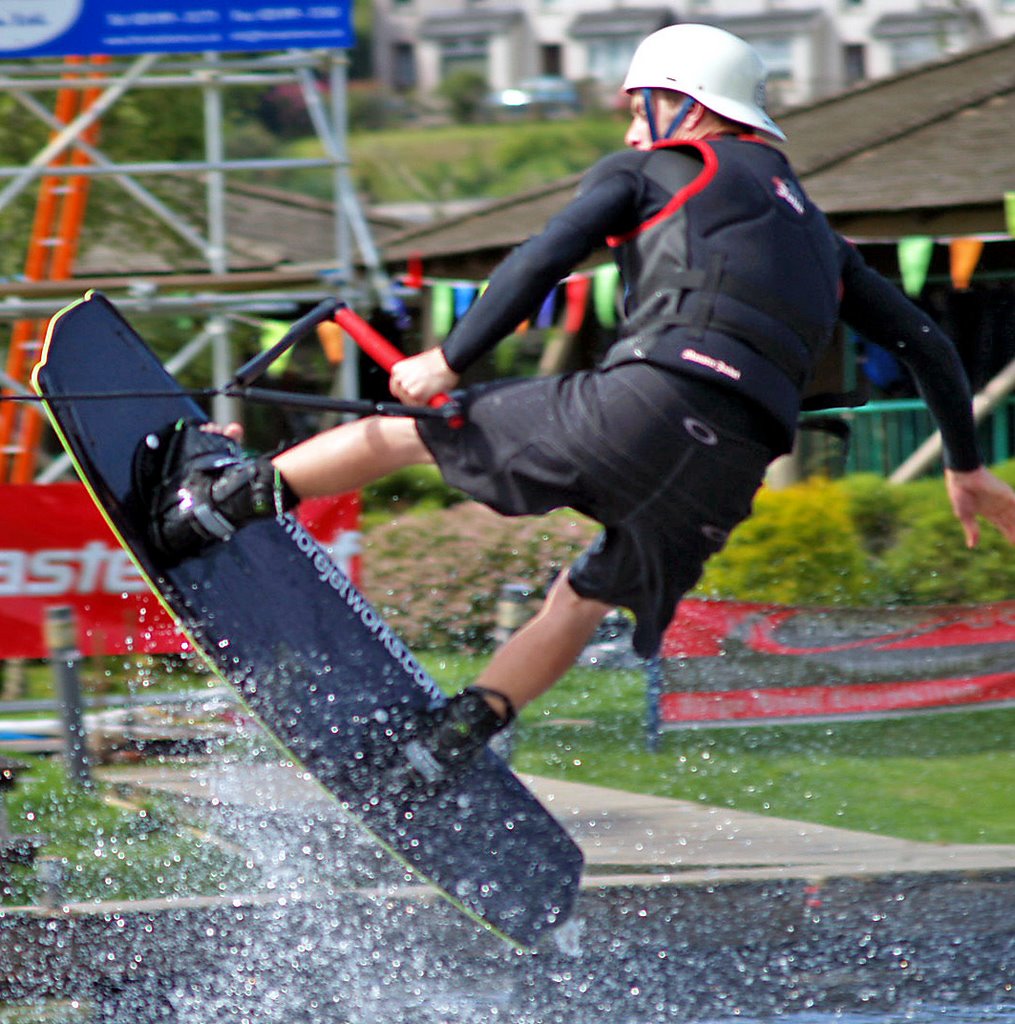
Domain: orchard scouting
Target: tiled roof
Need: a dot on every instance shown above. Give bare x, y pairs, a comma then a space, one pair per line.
454, 24
266, 228
624, 21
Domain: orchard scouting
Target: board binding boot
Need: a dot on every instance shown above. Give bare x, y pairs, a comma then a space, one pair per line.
451, 737
426, 748
197, 488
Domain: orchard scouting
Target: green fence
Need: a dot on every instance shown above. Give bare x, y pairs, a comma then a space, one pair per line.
884, 434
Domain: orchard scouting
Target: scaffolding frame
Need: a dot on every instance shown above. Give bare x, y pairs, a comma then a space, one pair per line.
355, 275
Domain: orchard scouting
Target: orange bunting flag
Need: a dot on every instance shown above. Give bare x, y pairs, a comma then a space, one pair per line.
964, 254
332, 340
576, 299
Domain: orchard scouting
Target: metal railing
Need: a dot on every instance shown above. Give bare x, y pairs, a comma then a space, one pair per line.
884, 434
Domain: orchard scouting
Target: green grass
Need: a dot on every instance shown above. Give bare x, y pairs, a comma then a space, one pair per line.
935, 778
52, 1011
112, 850
463, 161
126, 675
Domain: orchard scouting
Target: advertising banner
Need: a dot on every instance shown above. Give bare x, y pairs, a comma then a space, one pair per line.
736, 663
54, 28
56, 549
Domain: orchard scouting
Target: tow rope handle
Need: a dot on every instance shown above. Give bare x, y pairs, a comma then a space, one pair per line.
382, 352
372, 342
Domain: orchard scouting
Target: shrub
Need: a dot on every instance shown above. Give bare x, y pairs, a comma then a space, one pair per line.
875, 507
1006, 471
930, 563
464, 91
416, 487
799, 547
436, 575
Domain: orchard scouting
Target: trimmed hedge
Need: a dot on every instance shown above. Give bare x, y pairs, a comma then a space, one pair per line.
436, 573
800, 546
861, 541
929, 562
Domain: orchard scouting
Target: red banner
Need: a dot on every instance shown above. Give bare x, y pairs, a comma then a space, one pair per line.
738, 663
56, 549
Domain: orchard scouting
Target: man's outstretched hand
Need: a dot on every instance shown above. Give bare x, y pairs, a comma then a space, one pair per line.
980, 493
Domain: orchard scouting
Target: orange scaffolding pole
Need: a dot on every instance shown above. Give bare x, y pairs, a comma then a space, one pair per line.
52, 248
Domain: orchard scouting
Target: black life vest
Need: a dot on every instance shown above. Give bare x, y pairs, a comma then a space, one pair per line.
736, 278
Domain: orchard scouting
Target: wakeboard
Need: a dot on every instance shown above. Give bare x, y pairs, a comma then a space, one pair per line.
277, 619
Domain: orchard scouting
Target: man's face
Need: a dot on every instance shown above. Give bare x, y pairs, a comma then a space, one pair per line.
638, 134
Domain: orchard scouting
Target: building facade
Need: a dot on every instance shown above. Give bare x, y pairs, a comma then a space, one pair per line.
813, 48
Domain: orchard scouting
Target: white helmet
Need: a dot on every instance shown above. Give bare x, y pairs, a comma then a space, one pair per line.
710, 65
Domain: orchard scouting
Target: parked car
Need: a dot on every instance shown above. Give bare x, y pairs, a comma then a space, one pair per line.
546, 94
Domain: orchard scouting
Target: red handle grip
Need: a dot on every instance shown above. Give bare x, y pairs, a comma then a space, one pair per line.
380, 350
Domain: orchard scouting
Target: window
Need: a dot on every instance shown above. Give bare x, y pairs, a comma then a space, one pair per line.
551, 59
403, 72
777, 53
908, 51
609, 58
854, 59
466, 54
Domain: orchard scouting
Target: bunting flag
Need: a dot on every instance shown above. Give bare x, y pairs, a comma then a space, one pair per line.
414, 271
547, 311
451, 299
576, 296
332, 339
272, 331
464, 296
964, 254
914, 262
604, 293
442, 310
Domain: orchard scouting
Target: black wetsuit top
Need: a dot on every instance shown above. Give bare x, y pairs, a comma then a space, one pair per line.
623, 192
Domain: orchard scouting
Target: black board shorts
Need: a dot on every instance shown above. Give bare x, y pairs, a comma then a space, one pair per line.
666, 464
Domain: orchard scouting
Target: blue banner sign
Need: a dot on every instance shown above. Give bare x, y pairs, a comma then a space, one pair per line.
47, 28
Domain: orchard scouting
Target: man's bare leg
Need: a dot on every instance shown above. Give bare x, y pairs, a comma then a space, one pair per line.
351, 455
357, 453
539, 653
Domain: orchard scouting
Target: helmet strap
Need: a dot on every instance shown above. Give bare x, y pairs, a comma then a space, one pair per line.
650, 115
678, 119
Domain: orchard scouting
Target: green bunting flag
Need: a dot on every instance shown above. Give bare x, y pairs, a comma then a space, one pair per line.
272, 331
1009, 212
604, 293
914, 262
442, 310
